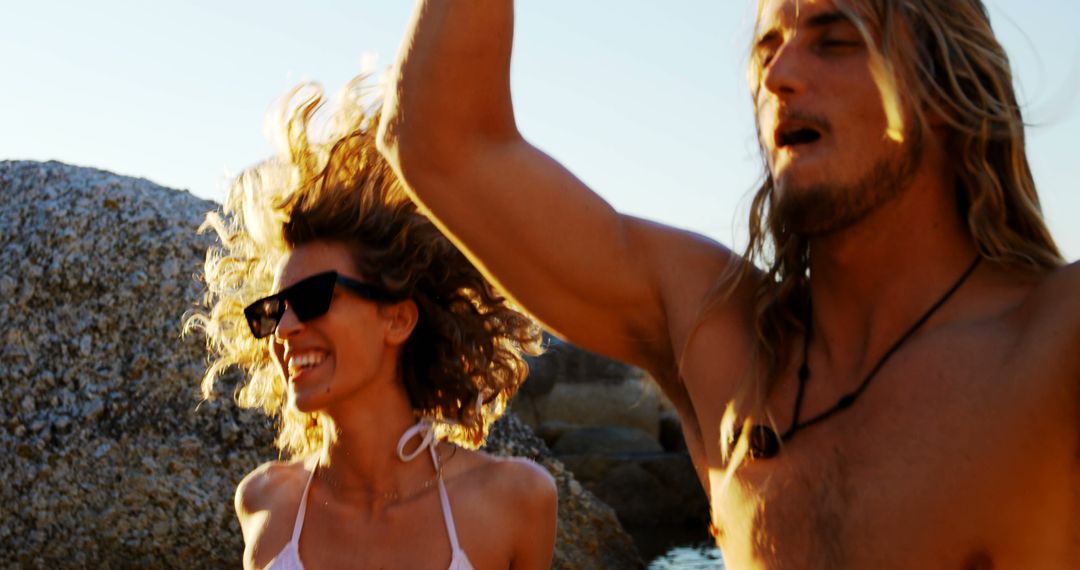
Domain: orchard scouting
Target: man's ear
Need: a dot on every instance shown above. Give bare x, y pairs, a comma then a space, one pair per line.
400, 321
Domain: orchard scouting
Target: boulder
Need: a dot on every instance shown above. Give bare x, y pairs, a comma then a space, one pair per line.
110, 458
605, 440
565, 363
671, 434
645, 489
614, 429
632, 402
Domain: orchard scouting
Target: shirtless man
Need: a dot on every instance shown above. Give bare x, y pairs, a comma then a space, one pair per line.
914, 404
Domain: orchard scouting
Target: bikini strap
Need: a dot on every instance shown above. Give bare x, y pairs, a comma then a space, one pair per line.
448, 515
425, 429
299, 524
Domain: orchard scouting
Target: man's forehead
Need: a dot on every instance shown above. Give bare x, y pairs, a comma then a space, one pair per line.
789, 14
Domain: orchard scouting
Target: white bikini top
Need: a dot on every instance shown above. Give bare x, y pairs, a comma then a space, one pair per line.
289, 557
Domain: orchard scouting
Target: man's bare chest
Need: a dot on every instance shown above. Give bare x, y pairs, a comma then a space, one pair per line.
953, 434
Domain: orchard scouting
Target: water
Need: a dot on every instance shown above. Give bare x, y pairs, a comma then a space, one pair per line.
677, 547
701, 557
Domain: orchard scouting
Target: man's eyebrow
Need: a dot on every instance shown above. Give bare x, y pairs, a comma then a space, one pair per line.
817, 21
826, 19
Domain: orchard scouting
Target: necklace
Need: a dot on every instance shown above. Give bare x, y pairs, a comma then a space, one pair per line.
763, 439
395, 495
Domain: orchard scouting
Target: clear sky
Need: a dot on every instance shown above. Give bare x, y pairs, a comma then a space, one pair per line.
646, 100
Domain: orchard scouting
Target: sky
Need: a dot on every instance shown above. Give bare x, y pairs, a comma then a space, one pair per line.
645, 100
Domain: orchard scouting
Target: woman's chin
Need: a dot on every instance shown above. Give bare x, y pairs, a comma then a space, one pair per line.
308, 398
310, 401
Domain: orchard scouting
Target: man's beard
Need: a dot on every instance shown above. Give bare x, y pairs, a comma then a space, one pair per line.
824, 208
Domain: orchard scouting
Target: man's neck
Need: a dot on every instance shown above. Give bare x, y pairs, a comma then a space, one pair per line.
871, 281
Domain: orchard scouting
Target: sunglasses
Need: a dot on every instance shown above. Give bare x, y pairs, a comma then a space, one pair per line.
308, 298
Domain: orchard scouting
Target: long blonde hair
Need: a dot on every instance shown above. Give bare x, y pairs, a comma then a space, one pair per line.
943, 57
463, 361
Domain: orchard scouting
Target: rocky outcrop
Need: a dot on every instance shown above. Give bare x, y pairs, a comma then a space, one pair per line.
575, 388
109, 457
609, 424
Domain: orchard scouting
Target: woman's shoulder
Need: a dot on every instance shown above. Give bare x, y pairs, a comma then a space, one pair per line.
522, 475
516, 479
518, 502
267, 500
272, 485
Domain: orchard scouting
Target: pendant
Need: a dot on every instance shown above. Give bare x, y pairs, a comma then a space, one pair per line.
763, 440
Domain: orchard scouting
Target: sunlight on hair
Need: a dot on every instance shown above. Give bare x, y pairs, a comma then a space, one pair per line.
462, 364
733, 452
884, 74
885, 78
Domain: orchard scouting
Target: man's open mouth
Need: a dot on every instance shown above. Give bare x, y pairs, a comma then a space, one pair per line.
796, 136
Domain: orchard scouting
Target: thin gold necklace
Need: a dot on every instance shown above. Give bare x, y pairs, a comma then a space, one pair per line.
394, 495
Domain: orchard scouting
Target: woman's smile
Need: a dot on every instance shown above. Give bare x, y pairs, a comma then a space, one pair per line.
302, 364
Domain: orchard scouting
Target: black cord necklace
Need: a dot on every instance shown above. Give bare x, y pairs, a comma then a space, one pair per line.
763, 440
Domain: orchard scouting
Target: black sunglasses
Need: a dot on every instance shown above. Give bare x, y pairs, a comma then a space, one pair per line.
308, 298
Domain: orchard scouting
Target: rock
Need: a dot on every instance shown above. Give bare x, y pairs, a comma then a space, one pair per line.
111, 459
565, 363
571, 385
551, 431
633, 402
605, 440
671, 435
645, 489
610, 423
655, 493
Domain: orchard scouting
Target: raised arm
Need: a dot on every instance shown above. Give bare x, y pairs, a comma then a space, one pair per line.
591, 274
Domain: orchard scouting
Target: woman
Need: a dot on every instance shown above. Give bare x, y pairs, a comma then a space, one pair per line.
385, 356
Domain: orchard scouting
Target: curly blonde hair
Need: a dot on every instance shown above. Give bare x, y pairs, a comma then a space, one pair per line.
462, 362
